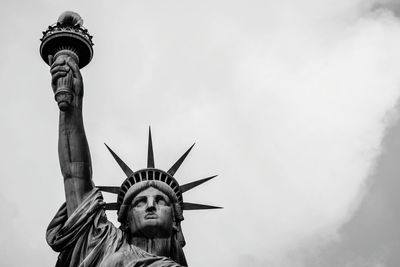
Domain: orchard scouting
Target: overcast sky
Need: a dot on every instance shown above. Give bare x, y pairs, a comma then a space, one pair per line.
294, 104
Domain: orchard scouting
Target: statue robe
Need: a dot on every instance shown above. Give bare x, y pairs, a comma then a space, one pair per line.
87, 238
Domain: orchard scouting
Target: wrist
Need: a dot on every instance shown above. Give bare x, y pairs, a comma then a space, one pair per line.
71, 118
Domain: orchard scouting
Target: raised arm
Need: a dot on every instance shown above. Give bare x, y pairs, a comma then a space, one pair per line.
73, 148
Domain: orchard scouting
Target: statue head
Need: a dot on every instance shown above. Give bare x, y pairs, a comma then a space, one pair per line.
150, 202
150, 214
150, 209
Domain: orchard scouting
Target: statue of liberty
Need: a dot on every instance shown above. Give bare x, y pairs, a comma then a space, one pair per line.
149, 203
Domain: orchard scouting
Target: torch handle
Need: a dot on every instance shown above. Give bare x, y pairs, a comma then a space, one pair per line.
64, 93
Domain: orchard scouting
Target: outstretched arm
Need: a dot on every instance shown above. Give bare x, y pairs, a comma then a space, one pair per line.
73, 148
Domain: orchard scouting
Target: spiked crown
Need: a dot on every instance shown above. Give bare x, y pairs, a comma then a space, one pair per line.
153, 174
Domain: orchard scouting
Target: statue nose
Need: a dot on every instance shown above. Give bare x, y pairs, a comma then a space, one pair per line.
151, 205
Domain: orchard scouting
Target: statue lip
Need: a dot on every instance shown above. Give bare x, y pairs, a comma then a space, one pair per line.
151, 216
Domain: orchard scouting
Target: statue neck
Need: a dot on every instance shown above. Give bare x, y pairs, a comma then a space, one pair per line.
160, 246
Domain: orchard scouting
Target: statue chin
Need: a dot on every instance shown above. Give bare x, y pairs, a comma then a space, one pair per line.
152, 229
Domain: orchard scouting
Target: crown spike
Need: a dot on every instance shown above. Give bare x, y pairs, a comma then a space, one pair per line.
188, 186
150, 154
122, 164
178, 163
194, 206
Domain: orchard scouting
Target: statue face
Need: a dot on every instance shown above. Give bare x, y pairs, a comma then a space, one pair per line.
150, 214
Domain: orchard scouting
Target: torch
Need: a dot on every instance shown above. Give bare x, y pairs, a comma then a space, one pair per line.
67, 39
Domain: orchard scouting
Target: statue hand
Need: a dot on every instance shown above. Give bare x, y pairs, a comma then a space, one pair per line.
62, 67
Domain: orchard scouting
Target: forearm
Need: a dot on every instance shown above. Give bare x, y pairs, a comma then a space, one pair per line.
74, 156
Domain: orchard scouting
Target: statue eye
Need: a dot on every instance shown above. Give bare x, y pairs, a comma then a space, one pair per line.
162, 201
140, 202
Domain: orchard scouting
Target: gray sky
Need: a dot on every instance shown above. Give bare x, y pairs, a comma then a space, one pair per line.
293, 103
